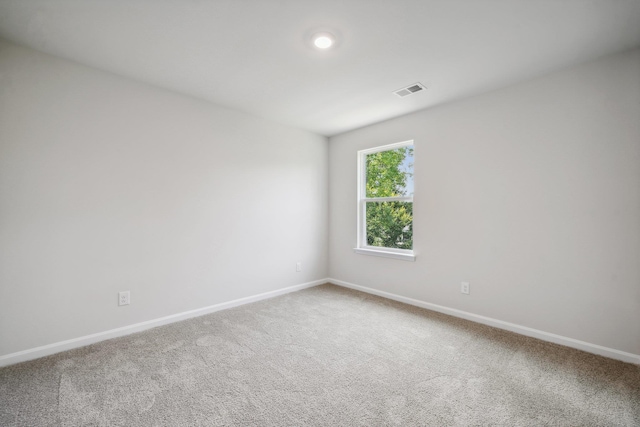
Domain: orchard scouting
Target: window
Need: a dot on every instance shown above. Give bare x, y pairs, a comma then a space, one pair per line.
385, 201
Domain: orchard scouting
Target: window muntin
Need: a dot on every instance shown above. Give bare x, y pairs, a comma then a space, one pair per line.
385, 199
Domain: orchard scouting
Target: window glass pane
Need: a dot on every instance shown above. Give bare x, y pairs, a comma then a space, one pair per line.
390, 173
390, 224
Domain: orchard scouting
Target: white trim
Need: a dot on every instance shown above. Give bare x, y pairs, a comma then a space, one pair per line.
387, 147
522, 330
387, 199
46, 350
404, 256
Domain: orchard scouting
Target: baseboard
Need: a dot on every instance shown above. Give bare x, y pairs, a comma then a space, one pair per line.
46, 350
522, 330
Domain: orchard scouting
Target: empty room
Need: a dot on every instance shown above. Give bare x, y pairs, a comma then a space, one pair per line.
305, 213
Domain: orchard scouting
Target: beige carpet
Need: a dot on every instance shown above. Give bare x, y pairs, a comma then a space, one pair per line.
323, 356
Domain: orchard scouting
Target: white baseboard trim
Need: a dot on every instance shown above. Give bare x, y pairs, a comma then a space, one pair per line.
46, 350
522, 330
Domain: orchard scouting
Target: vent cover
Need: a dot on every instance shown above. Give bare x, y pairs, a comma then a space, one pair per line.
410, 90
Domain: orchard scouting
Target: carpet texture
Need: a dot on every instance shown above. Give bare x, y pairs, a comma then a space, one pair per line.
321, 357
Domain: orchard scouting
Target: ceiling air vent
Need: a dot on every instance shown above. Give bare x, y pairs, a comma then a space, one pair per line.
410, 90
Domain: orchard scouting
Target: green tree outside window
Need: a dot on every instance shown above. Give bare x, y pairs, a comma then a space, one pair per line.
389, 173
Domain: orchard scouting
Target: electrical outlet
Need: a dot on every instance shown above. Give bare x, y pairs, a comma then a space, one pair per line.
464, 288
299, 266
124, 298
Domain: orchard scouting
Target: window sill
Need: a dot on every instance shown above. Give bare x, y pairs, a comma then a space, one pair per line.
385, 254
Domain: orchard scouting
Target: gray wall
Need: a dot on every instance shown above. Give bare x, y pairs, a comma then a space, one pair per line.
107, 185
530, 193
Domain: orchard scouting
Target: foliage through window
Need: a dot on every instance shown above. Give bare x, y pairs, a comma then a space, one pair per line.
386, 198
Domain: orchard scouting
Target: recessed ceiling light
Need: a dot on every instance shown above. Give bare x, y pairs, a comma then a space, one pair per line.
323, 40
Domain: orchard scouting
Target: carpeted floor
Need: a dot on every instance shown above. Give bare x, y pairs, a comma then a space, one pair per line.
323, 356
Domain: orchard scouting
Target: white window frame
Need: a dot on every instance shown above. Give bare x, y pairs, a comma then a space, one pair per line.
362, 247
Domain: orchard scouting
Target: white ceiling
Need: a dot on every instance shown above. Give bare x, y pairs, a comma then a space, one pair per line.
253, 55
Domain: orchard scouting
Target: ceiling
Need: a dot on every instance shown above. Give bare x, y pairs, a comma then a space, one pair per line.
255, 55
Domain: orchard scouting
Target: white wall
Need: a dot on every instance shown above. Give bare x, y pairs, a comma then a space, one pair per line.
530, 193
107, 184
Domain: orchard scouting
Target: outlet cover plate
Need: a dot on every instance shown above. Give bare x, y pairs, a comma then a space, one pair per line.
124, 298
464, 288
